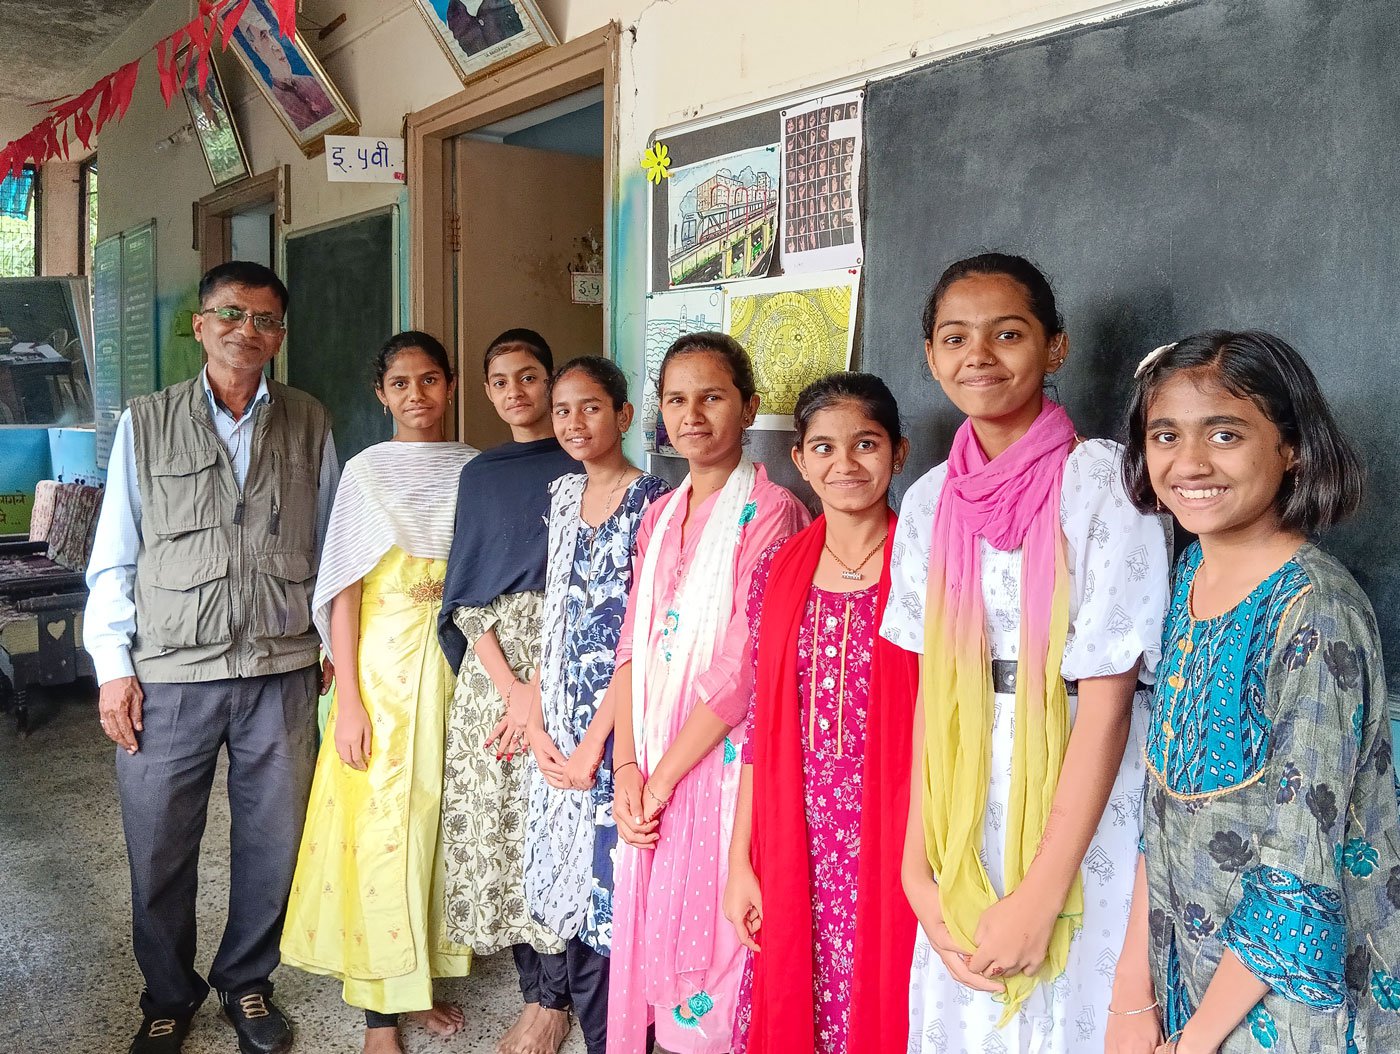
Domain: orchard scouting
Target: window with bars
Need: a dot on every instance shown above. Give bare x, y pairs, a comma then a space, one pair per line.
19, 224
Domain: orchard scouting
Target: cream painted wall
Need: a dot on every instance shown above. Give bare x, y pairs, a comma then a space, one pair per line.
681, 59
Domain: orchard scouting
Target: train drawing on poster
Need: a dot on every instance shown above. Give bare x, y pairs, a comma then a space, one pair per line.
722, 217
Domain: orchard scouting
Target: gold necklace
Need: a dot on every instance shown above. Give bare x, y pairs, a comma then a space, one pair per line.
852, 574
607, 503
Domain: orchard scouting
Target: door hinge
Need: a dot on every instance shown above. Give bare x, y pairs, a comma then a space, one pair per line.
454, 231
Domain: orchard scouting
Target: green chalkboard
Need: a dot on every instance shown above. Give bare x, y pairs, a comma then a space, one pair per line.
343, 281
124, 326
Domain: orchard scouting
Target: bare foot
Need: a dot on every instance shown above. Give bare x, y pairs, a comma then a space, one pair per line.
509, 1043
444, 1019
382, 1040
545, 1034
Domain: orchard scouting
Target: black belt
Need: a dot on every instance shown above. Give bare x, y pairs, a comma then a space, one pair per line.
1004, 678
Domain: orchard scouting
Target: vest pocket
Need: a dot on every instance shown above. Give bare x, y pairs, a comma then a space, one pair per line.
184, 492
282, 594
185, 603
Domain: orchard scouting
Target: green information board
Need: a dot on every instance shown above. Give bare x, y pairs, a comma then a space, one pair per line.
124, 326
107, 341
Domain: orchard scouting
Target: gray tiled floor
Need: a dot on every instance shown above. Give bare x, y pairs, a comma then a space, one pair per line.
68, 983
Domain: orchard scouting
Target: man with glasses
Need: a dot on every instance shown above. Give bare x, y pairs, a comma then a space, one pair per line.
199, 625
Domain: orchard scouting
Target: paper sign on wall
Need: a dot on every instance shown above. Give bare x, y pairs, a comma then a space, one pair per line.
364, 159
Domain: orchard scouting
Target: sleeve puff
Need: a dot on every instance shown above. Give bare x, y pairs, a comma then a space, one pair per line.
1119, 561
903, 621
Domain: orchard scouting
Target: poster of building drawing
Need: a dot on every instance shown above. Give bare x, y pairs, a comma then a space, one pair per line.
722, 217
821, 184
797, 329
669, 316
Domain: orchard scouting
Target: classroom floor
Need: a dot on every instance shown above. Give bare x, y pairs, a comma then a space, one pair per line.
68, 982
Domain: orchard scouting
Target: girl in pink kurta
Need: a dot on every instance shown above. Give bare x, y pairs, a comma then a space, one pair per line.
680, 708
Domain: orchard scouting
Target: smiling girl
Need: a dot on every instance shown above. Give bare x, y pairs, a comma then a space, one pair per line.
1034, 593
1268, 897
676, 962
814, 864
570, 834
490, 630
367, 904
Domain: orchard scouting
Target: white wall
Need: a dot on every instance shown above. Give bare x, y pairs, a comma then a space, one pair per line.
680, 59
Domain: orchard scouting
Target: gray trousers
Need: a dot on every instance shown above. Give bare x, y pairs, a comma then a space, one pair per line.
268, 726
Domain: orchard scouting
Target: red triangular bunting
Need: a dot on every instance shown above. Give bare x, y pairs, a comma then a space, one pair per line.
231, 20
286, 11
123, 87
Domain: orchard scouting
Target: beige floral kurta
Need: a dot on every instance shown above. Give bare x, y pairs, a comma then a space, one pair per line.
484, 800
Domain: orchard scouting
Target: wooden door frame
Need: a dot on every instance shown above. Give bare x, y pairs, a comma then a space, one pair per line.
213, 225
213, 213
557, 72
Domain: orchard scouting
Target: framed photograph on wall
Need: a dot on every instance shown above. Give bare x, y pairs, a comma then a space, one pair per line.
213, 126
291, 79
479, 35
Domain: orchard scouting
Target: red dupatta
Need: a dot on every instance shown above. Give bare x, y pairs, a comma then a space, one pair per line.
783, 1019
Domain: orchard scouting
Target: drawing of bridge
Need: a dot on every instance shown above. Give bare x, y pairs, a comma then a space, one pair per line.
731, 231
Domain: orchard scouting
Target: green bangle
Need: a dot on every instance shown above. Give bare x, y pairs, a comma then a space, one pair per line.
619, 768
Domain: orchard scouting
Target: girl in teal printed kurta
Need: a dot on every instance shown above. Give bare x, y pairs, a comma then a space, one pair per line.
1268, 901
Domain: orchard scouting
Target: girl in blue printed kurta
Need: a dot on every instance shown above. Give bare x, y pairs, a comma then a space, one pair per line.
570, 833
1268, 903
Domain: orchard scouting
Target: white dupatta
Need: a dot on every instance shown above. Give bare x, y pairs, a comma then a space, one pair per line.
390, 494
697, 618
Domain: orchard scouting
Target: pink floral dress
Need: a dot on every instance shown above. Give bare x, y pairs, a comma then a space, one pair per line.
834, 649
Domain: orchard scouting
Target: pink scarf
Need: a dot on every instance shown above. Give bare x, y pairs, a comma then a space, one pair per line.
1013, 501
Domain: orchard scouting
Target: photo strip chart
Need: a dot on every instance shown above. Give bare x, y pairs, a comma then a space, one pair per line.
820, 212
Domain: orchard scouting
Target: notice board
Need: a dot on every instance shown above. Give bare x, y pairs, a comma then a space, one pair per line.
124, 326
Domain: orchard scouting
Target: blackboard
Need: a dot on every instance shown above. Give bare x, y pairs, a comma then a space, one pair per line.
342, 282
1228, 163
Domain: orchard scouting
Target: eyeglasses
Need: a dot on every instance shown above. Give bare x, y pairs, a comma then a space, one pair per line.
236, 316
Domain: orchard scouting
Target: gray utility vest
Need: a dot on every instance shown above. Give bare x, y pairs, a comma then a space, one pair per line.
223, 579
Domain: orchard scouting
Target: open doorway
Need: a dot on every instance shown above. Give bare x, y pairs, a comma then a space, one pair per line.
529, 191
253, 234
509, 182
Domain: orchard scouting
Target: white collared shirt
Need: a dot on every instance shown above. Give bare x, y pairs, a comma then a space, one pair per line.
109, 620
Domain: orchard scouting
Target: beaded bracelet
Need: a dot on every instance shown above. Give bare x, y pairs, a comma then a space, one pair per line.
1132, 1013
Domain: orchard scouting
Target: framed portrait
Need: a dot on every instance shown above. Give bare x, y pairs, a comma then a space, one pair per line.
213, 126
291, 79
479, 35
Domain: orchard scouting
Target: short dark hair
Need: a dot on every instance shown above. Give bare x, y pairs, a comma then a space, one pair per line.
519, 340
428, 344
1018, 269
242, 272
603, 371
1326, 482
873, 395
721, 344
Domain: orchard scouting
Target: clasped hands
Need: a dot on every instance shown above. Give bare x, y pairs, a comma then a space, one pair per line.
1012, 937
638, 804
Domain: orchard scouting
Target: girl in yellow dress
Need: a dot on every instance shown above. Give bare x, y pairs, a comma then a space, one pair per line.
367, 899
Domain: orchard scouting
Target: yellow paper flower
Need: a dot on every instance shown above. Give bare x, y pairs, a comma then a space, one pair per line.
657, 162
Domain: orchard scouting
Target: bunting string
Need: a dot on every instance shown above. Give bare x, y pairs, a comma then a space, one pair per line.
83, 115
